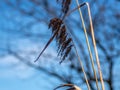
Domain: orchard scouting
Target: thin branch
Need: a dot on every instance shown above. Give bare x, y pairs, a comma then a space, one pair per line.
37, 67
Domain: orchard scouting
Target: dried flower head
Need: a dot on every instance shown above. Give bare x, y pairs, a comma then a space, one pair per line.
63, 40
70, 87
55, 23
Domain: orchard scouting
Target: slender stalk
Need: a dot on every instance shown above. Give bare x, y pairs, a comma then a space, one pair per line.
95, 48
88, 86
85, 76
71, 11
88, 45
92, 32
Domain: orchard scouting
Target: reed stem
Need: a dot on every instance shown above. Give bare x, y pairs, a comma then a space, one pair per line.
88, 45
95, 48
81, 64
88, 86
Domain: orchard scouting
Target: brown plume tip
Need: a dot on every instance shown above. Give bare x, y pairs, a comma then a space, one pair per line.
65, 5
62, 38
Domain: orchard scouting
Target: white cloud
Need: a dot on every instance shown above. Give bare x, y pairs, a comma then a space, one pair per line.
10, 66
8, 61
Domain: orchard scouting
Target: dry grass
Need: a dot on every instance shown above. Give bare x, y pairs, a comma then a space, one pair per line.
70, 87
65, 42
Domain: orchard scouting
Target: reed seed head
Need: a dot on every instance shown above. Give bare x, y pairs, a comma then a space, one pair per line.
55, 23
62, 37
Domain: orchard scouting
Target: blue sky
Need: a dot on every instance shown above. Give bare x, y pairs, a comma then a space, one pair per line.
14, 74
